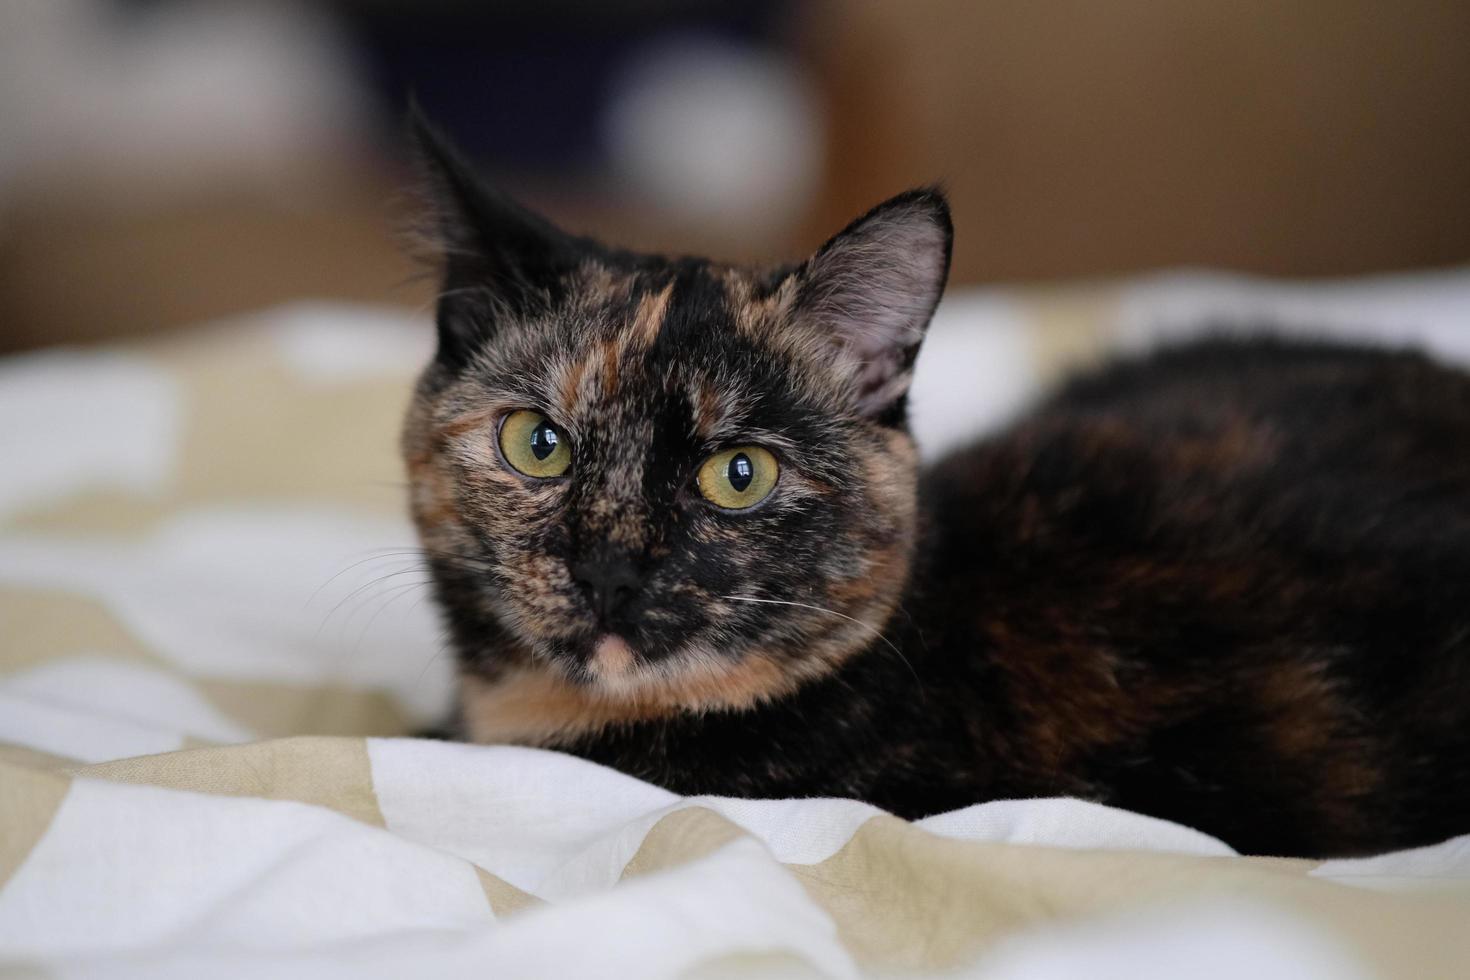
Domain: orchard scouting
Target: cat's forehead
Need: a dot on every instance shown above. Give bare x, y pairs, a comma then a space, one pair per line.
663, 310
695, 337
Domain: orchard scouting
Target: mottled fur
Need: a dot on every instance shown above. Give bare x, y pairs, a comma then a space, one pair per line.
1228, 585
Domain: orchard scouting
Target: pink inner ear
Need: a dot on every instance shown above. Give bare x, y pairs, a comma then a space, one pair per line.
880, 381
873, 290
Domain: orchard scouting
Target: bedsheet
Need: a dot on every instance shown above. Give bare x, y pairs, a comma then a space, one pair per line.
214, 634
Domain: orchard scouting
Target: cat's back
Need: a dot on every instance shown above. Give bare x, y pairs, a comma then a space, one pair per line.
1330, 397
1223, 559
1297, 441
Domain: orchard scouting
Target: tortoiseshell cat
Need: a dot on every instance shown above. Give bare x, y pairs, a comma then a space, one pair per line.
676, 525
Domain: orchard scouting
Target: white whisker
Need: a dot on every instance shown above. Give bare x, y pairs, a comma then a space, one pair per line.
832, 612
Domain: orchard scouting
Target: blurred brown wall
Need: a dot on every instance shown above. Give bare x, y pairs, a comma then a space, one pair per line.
84, 271
1077, 138
1080, 137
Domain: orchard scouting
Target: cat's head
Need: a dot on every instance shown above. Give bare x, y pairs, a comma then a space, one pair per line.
667, 478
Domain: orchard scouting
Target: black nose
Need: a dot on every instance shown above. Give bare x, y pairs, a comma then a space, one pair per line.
610, 581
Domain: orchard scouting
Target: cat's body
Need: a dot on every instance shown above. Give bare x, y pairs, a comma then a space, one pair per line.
1228, 585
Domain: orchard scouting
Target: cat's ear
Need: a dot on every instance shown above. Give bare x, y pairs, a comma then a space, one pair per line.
872, 290
499, 258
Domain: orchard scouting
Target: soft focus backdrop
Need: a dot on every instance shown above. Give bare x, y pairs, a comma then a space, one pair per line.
167, 162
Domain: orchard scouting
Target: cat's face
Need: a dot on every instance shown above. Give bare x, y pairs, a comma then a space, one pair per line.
669, 479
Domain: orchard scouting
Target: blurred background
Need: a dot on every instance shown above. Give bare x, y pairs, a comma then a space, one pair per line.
163, 163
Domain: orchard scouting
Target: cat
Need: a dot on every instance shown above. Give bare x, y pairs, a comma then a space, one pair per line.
676, 524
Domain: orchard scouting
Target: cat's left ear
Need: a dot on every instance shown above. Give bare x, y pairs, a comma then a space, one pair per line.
500, 260
872, 290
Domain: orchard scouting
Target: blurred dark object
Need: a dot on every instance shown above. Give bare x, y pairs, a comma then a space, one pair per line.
166, 162
1319, 137
523, 86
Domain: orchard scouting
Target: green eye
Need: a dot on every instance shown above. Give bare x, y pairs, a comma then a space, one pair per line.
533, 446
738, 478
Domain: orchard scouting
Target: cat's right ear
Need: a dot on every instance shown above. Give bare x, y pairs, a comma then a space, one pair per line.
499, 259
871, 291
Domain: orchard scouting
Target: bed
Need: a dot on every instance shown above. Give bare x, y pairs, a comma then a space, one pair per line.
215, 637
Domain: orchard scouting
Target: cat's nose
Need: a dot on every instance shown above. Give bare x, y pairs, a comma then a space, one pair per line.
609, 581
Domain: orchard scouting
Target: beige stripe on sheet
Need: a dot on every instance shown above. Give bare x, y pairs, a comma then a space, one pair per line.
504, 898
239, 407
251, 429
29, 800
29, 758
44, 625
47, 625
774, 965
329, 772
684, 836
277, 710
93, 511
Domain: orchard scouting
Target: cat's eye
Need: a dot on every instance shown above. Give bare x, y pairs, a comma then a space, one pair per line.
533, 446
738, 478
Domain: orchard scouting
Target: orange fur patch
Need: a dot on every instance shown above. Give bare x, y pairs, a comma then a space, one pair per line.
569, 386
706, 410
648, 319
539, 707
465, 423
612, 353
758, 317
431, 496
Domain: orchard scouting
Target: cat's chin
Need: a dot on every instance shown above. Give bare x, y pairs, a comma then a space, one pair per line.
695, 677
613, 667
603, 664
612, 660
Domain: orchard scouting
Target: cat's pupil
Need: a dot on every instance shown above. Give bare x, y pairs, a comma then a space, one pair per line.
740, 472
543, 440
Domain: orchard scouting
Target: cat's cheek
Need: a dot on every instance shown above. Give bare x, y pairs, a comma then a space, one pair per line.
886, 514
717, 556
865, 569
891, 474
540, 591
508, 508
